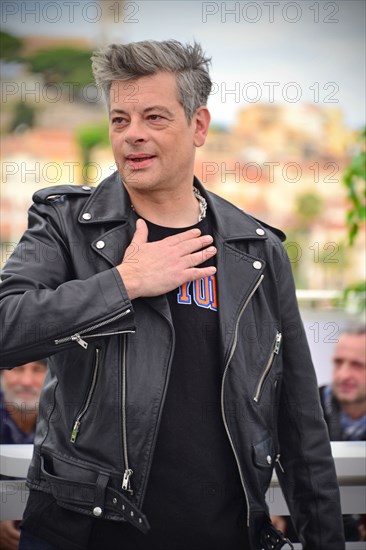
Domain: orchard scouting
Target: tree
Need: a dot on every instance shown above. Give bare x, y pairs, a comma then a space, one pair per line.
63, 65
10, 47
308, 207
23, 116
354, 179
90, 136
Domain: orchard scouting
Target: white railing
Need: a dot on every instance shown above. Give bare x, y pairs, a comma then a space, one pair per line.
349, 458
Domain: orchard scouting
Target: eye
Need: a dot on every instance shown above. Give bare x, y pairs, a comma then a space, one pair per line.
358, 365
118, 120
155, 118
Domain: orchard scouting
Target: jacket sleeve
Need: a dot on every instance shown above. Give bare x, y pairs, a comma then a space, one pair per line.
309, 479
42, 303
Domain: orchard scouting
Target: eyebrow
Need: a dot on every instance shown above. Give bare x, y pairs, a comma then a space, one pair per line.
159, 108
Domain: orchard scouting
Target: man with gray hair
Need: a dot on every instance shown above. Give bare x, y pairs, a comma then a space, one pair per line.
179, 375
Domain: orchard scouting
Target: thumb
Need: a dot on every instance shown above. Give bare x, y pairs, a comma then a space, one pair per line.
141, 233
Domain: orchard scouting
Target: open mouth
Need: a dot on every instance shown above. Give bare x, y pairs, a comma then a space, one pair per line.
141, 160
140, 157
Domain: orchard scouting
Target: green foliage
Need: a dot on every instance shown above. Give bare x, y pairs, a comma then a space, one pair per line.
23, 116
91, 135
10, 47
353, 298
354, 179
63, 65
308, 207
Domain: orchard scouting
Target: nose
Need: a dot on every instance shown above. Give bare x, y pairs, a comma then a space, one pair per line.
27, 378
136, 132
27, 375
343, 370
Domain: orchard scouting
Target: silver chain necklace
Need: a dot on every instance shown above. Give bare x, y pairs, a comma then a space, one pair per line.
202, 203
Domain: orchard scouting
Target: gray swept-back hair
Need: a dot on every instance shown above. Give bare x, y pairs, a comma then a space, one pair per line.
128, 61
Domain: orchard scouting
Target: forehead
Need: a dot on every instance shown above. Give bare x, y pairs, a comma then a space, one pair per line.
351, 345
160, 88
34, 366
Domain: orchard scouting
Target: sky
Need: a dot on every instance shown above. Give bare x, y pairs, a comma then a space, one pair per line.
270, 51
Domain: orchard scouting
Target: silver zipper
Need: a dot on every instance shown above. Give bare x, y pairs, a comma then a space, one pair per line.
222, 390
77, 336
279, 463
275, 351
162, 401
126, 481
77, 422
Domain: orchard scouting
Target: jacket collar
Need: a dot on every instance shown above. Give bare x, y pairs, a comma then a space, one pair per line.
110, 203
231, 222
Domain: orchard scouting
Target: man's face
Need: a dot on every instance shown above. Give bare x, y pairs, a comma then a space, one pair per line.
153, 143
22, 385
349, 372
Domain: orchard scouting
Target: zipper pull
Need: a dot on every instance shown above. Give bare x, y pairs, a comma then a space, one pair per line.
126, 483
277, 343
279, 463
75, 431
77, 338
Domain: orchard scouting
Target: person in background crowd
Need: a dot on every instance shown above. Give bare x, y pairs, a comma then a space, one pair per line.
344, 405
344, 400
20, 389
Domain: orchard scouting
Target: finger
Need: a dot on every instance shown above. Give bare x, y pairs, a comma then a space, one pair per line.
200, 257
184, 236
193, 245
195, 273
141, 233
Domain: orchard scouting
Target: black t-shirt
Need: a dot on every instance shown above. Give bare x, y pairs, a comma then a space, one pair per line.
194, 498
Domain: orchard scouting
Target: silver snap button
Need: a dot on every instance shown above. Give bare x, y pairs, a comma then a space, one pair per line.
86, 188
100, 245
269, 459
86, 216
97, 511
257, 265
260, 231
114, 501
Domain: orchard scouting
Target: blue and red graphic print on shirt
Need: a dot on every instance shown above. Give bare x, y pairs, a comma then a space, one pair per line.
202, 292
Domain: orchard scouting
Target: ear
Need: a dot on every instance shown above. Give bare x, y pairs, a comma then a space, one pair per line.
201, 119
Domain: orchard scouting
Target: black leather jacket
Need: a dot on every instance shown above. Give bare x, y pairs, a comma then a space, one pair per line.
110, 359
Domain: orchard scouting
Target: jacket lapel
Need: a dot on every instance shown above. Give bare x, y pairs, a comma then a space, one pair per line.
110, 205
236, 278
112, 244
237, 271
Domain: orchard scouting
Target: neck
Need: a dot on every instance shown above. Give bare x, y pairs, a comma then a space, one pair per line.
167, 209
354, 410
24, 419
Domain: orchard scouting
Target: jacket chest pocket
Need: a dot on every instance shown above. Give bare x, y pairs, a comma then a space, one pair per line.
275, 349
88, 397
